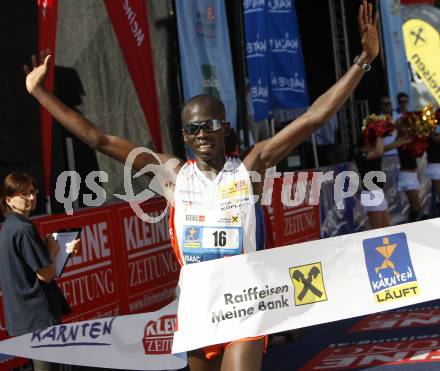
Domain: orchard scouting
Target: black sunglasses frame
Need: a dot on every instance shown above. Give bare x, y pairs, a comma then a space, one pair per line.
209, 126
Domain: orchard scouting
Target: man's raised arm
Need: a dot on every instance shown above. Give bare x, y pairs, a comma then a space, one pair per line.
113, 146
269, 152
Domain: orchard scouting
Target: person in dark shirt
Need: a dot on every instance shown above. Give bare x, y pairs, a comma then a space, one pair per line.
31, 298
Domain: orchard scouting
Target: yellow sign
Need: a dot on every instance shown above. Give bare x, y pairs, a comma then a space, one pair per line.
422, 43
233, 189
309, 283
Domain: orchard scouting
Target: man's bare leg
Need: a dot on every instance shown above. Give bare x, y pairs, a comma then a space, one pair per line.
243, 356
198, 362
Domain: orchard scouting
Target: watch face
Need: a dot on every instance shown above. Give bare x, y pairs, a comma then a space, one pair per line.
366, 67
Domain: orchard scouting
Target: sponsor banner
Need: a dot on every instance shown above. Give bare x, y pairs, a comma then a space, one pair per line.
422, 42
307, 284
399, 319
205, 55
287, 73
274, 56
369, 353
297, 222
130, 23
135, 342
257, 56
398, 73
153, 270
47, 30
90, 280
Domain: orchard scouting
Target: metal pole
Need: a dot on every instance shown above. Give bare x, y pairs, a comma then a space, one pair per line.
71, 167
315, 151
241, 63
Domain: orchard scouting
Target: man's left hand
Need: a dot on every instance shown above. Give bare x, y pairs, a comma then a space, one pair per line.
368, 29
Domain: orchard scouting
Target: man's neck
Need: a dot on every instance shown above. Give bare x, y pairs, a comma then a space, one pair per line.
211, 167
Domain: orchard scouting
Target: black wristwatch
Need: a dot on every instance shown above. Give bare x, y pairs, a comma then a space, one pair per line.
365, 66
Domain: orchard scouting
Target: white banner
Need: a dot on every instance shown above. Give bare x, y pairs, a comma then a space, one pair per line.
307, 284
135, 342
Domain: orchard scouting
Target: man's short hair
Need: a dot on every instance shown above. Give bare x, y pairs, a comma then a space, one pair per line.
205, 105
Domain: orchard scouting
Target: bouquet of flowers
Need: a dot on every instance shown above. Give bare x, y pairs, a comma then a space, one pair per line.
374, 126
419, 125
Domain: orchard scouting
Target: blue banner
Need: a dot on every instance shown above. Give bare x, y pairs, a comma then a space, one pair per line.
205, 52
274, 56
397, 65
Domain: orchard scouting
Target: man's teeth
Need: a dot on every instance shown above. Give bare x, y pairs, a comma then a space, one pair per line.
205, 144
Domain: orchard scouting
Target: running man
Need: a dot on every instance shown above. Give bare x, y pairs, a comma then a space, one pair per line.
198, 222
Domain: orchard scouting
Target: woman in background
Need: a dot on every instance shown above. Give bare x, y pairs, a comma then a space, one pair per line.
31, 298
368, 157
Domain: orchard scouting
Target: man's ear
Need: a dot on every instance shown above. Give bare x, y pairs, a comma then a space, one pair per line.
184, 136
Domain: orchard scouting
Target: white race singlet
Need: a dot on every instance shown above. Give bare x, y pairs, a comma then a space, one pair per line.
215, 218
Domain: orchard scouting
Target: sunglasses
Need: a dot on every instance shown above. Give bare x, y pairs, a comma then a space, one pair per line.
402, 101
385, 103
210, 126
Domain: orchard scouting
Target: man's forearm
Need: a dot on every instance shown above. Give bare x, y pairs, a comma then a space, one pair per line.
69, 119
332, 100
324, 108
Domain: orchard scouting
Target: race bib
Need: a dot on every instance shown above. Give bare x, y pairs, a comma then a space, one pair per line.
208, 242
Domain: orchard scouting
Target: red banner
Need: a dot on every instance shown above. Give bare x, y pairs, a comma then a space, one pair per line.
292, 224
399, 319
370, 353
152, 268
90, 280
47, 30
130, 22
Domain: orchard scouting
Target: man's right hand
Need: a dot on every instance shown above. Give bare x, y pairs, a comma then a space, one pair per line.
35, 79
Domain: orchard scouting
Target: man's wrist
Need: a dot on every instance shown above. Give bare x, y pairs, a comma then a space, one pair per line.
362, 63
38, 91
365, 58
